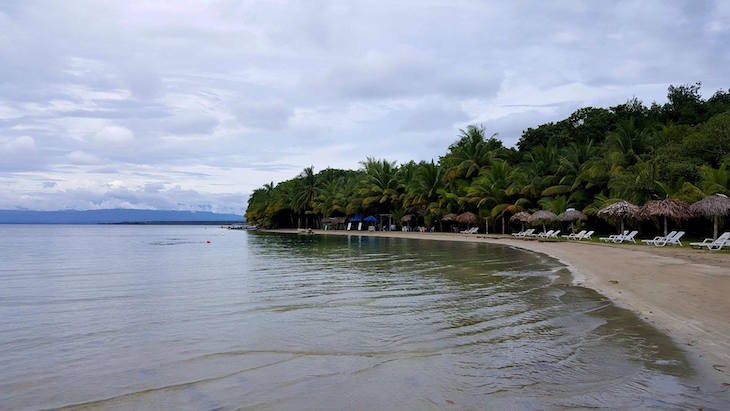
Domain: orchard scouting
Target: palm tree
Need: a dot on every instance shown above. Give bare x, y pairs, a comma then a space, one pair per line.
307, 190
330, 199
470, 153
493, 190
422, 188
380, 185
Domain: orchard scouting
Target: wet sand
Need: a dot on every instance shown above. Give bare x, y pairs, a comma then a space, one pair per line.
682, 292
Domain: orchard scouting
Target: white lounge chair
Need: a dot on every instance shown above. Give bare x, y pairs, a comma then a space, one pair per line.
524, 233
553, 235
575, 236
587, 236
544, 234
659, 238
472, 230
673, 239
613, 236
630, 237
721, 241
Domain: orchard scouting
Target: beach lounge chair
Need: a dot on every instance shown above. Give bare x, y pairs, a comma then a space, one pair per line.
613, 236
626, 238
575, 236
673, 241
659, 238
525, 233
672, 238
721, 241
544, 234
472, 230
553, 235
587, 236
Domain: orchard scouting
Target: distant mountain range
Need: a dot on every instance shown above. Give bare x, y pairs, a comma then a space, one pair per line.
113, 216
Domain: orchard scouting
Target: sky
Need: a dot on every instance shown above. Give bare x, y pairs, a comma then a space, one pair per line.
191, 105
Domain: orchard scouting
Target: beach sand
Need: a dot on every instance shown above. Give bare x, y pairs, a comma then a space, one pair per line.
681, 291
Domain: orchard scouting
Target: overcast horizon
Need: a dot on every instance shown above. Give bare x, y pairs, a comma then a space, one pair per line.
191, 106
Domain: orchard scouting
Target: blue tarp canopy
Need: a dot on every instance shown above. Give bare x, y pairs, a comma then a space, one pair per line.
356, 218
370, 219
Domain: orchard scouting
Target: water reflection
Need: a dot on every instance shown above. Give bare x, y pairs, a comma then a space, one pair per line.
162, 319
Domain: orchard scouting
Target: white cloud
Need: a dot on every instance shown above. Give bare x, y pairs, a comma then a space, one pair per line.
219, 98
17, 145
114, 135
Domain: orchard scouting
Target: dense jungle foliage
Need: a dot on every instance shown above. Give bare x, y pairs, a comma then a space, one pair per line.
679, 150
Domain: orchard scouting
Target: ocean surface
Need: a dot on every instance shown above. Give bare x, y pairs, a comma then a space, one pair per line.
201, 318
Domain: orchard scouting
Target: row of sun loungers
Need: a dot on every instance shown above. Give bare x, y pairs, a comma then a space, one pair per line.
530, 234
673, 238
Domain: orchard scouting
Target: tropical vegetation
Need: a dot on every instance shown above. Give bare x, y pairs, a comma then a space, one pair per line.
596, 156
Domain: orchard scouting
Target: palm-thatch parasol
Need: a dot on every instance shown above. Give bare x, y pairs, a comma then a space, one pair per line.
715, 206
619, 212
522, 217
466, 218
449, 217
666, 208
571, 214
542, 217
406, 218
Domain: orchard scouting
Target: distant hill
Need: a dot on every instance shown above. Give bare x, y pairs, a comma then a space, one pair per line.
113, 216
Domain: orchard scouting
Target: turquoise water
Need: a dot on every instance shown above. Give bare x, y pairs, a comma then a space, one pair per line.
155, 317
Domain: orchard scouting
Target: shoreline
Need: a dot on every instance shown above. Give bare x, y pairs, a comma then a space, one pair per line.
682, 292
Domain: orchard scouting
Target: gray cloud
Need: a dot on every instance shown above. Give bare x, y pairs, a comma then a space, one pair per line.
175, 105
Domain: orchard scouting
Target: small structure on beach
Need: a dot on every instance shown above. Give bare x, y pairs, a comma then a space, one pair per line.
542, 217
466, 218
571, 215
336, 223
449, 217
666, 208
715, 206
370, 220
619, 212
522, 217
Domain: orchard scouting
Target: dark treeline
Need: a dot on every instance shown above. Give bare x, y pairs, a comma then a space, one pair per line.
596, 156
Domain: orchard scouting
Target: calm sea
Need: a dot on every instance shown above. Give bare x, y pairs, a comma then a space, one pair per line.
201, 318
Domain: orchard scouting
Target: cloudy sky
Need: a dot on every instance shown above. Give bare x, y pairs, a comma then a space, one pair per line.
191, 105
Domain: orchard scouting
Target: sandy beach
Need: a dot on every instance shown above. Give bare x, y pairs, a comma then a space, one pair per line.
681, 291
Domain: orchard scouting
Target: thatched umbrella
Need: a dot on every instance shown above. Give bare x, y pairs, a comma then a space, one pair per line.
467, 218
449, 217
666, 208
619, 211
714, 206
406, 218
542, 217
571, 214
522, 217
